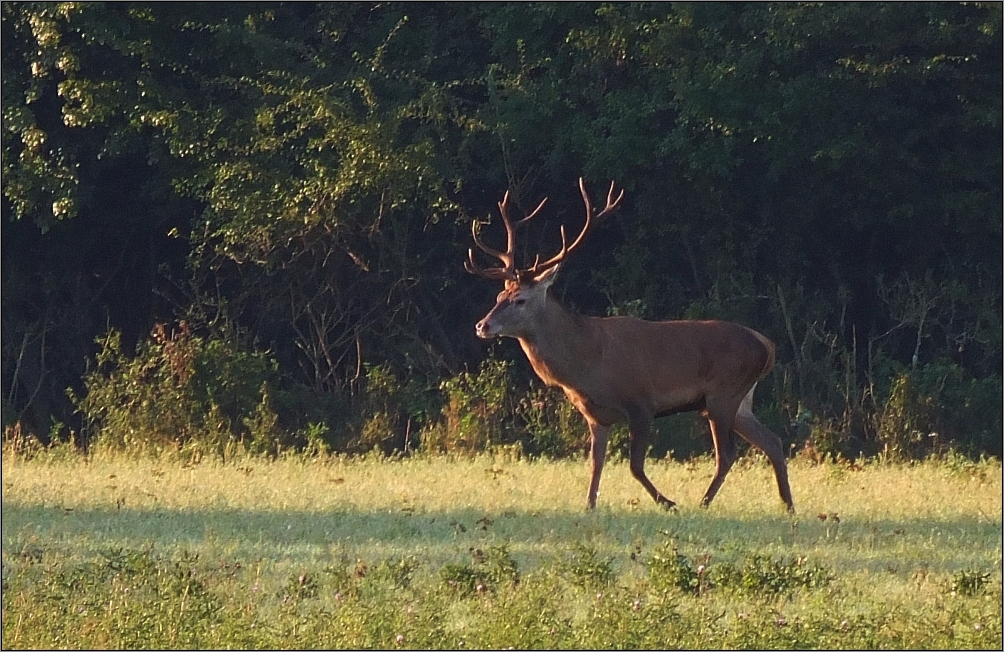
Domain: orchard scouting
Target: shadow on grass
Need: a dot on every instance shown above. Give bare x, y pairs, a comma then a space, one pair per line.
944, 544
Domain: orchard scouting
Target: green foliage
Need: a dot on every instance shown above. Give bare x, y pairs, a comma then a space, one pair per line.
756, 575
488, 572
119, 597
937, 406
969, 582
478, 411
761, 575
274, 555
396, 572
389, 411
586, 569
553, 427
181, 392
139, 599
298, 588
669, 569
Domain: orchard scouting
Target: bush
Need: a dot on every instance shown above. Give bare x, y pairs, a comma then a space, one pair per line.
484, 411
584, 568
388, 411
553, 427
939, 406
478, 413
489, 571
762, 575
668, 569
181, 391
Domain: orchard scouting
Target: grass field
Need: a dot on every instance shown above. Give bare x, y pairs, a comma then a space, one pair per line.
494, 552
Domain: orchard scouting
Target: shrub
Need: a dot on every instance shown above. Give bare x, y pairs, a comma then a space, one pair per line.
489, 571
388, 411
668, 569
969, 582
762, 575
936, 406
552, 425
585, 568
478, 413
180, 391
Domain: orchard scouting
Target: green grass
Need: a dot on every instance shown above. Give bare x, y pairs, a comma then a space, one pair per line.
494, 552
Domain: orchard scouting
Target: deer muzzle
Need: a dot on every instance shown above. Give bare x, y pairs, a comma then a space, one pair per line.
483, 330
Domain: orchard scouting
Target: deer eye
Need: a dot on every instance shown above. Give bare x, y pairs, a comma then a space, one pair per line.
519, 301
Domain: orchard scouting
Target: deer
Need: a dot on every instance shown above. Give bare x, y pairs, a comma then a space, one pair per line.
622, 368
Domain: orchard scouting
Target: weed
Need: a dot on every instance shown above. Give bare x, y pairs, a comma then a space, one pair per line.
298, 588
969, 582
478, 410
584, 567
760, 574
670, 569
395, 572
487, 573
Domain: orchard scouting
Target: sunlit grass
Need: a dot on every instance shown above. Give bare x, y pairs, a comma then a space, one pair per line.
893, 536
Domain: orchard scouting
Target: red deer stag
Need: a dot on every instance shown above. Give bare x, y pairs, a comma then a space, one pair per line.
622, 368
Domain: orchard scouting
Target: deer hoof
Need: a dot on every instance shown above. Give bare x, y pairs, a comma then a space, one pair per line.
666, 503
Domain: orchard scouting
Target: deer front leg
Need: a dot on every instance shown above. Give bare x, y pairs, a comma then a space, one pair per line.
640, 426
598, 436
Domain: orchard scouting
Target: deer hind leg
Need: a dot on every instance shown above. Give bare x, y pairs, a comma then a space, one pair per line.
597, 454
750, 429
723, 438
640, 427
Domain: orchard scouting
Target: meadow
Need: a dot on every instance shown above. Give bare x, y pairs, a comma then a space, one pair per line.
495, 552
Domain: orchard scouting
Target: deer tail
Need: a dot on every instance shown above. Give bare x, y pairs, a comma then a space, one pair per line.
771, 352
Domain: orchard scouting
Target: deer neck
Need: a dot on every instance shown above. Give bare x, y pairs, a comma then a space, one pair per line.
561, 347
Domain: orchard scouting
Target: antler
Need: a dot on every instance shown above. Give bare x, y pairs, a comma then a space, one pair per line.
508, 270
590, 220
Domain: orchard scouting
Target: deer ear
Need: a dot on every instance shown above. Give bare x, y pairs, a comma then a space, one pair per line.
547, 276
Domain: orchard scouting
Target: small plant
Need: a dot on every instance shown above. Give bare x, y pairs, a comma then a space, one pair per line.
553, 426
762, 575
396, 572
670, 569
586, 569
487, 573
298, 588
969, 582
389, 408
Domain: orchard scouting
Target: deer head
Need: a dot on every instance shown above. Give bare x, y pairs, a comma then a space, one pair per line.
522, 300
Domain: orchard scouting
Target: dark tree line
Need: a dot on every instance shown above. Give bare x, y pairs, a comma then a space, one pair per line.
257, 214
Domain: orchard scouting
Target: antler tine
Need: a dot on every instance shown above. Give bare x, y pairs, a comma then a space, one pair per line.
494, 273
508, 270
590, 219
611, 202
475, 226
533, 214
510, 235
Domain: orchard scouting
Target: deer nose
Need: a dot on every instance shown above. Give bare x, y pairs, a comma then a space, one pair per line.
482, 329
